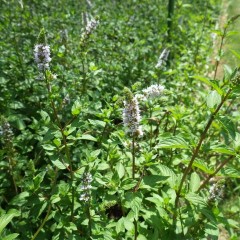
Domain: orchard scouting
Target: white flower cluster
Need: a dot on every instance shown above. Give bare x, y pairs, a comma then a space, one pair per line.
42, 56
153, 91
91, 25
89, 4
216, 192
131, 117
6, 132
86, 187
163, 58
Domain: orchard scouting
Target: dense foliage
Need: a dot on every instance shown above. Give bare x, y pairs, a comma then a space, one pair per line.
103, 139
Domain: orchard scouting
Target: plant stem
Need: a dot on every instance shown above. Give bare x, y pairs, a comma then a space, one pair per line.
64, 142
49, 208
135, 229
43, 222
133, 157
89, 220
195, 153
10, 162
170, 19
220, 50
221, 165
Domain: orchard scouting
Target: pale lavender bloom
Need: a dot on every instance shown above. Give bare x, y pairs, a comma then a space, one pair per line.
91, 25
163, 58
85, 18
86, 187
42, 56
153, 91
6, 132
140, 97
216, 192
89, 4
131, 117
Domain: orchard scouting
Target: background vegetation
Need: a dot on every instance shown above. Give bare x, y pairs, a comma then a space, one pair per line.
68, 167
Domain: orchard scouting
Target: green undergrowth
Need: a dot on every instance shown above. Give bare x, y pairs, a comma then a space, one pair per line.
105, 137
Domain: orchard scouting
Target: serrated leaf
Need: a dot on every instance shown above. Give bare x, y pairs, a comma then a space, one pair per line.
155, 199
11, 236
208, 214
88, 137
20, 199
212, 230
209, 83
198, 163
223, 149
213, 99
194, 182
228, 125
166, 171
6, 218
173, 142
229, 172
197, 200
59, 164
153, 180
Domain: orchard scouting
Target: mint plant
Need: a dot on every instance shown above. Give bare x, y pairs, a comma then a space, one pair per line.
102, 138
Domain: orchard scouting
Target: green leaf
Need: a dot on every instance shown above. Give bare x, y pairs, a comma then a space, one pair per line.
49, 147
196, 200
88, 137
76, 108
45, 116
158, 200
223, 149
236, 54
20, 199
165, 171
209, 83
228, 125
11, 236
6, 218
59, 164
194, 182
94, 154
198, 163
57, 142
212, 230
97, 123
128, 224
173, 142
38, 179
213, 99
229, 172
208, 214
120, 225
153, 181
120, 169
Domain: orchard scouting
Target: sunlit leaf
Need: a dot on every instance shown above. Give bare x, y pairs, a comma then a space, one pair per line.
213, 99
194, 182
173, 142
